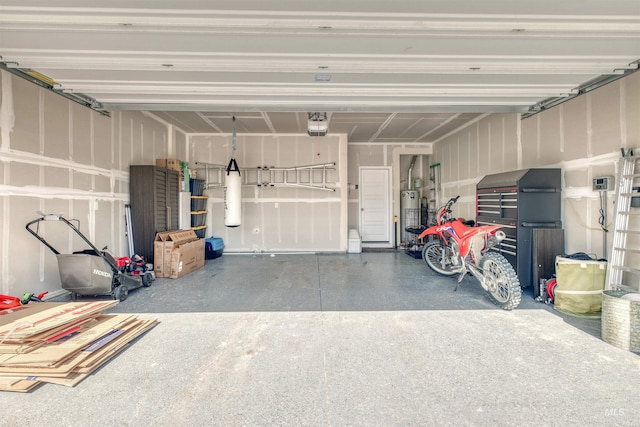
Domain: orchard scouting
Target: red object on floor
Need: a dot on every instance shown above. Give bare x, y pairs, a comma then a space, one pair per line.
7, 301
551, 289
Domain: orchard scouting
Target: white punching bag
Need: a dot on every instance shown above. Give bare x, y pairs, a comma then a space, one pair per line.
232, 195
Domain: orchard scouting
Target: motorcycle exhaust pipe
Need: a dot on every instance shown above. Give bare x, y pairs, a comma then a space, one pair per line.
495, 238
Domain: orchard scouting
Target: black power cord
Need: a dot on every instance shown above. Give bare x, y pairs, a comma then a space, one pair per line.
601, 220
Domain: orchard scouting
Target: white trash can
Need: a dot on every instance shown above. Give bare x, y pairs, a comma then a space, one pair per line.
355, 243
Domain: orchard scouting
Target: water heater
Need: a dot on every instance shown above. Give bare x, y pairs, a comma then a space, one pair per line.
409, 213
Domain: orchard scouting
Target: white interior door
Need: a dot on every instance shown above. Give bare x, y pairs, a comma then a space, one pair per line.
375, 204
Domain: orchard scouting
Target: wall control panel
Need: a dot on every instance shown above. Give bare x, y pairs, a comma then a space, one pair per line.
603, 183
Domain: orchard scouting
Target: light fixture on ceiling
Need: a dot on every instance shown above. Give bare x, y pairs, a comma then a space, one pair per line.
318, 124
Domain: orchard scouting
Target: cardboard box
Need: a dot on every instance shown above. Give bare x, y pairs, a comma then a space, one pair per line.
158, 255
187, 258
173, 164
169, 241
74, 339
177, 253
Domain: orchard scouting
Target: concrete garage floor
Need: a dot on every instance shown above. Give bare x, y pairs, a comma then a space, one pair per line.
371, 339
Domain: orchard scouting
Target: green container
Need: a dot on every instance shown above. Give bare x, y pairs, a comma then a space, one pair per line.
580, 286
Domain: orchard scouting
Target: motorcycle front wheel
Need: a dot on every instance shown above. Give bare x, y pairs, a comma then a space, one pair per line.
440, 257
501, 280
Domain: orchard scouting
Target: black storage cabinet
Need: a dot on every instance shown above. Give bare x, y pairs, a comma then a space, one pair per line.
154, 195
524, 201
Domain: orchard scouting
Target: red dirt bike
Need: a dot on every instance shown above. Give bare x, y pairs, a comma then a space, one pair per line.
461, 248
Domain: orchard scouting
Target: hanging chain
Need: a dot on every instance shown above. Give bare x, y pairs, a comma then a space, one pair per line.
234, 137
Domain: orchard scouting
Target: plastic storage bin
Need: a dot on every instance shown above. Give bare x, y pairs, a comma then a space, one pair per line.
198, 218
200, 231
213, 247
197, 187
198, 203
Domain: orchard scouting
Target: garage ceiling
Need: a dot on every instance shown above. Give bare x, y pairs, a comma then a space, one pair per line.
402, 70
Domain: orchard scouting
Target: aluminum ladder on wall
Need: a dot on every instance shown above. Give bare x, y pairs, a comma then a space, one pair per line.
623, 272
312, 176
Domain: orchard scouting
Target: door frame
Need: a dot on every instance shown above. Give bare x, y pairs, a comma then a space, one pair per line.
427, 150
389, 243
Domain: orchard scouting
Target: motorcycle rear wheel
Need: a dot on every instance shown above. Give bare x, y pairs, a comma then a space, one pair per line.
501, 280
432, 254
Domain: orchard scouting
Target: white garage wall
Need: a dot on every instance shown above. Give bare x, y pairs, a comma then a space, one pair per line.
396, 155
278, 219
582, 136
59, 157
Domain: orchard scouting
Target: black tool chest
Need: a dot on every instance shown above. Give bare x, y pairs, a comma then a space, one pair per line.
524, 201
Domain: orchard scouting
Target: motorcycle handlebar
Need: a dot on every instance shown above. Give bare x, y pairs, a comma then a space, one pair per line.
451, 202
444, 214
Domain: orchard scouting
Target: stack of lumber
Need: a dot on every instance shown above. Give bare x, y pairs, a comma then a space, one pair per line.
61, 343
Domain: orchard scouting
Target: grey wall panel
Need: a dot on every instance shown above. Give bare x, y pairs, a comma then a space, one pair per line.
575, 128
82, 181
124, 138
510, 146
299, 222
56, 130
631, 104
56, 177
64, 159
106, 234
136, 145
180, 145
463, 163
576, 178
582, 136
605, 119
81, 135
26, 107
153, 138
25, 252
549, 151
529, 143
24, 174
102, 184
103, 148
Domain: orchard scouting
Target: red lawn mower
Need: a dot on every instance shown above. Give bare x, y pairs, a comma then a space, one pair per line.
93, 271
